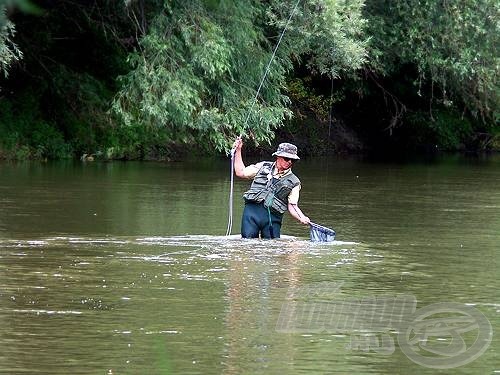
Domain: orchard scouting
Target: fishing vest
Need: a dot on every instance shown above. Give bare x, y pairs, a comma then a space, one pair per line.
273, 192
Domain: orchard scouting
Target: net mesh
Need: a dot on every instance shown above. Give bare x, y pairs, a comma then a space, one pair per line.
320, 233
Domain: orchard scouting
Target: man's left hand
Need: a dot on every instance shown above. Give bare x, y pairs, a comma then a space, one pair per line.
305, 220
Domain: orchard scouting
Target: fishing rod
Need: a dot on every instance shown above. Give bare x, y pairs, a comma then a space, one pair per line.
233, 149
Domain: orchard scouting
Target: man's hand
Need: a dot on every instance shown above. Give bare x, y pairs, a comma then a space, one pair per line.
238, 144
239, 166
304, 220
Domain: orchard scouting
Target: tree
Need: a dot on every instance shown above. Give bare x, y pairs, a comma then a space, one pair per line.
9, 52
452, 44
199, 63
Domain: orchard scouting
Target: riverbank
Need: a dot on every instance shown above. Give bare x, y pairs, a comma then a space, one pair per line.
41, 141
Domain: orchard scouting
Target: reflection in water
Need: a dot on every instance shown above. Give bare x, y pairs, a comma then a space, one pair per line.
120, 267
251, 315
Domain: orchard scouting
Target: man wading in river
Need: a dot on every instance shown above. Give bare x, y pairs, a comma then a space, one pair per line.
274, 190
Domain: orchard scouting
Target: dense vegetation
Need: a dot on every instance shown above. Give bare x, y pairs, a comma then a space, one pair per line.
153, 79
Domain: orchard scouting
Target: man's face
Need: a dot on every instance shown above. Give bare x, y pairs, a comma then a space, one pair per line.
283, 163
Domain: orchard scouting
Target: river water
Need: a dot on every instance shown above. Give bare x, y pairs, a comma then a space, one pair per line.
123, 268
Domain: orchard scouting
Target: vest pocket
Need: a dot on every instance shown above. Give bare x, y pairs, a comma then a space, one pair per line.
260, 180
283, 191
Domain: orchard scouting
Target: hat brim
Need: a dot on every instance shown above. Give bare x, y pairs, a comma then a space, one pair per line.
286, 155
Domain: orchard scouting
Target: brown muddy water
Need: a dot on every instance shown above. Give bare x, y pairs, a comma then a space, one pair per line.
123, 268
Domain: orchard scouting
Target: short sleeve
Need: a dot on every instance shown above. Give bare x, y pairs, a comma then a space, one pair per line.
252, 170
293, 197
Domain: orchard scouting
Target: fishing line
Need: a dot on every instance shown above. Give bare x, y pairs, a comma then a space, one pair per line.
325, 185
268, 68
230, 215
233, 150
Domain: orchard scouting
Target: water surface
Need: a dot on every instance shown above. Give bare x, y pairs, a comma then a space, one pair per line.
122, 268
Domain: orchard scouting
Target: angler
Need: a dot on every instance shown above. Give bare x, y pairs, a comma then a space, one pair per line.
274, 190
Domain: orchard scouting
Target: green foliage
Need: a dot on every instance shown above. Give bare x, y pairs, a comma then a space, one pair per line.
454, 44
182, 84
446, 130
55, 105
9, 52
189, 73
28, 137
302, 93
327, 33
198, 68
452, 131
